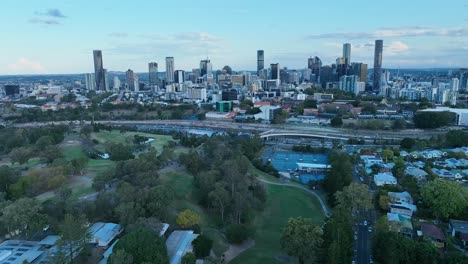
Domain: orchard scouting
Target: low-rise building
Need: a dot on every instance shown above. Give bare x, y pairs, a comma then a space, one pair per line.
417, 173
400, 197
433, 234
387, 178
459, 229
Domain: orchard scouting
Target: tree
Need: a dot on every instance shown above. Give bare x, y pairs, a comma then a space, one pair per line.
336, 122
22, 215
202, 246
51, 153
445, 198
337, 237
399, 169
79, 164
407, 143
387, 154
144, 246
237, 233
427, 120
189, 258
355, 197
119, 151
384, 202
340, 174
7, 177
43, 142
120, 257
399, 124
220, 198
301, 238
74, 235
188, 219
456, 138
21, 155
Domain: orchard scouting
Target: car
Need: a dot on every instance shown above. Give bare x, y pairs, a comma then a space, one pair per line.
362, 179
370, 229
365, 223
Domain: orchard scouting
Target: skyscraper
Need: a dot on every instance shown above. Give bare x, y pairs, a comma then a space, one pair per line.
205, 67
260, 61
106, 80
347, 53
90, 81
463, 79
179, 76
275, 71
130, 80
314, 64
99, 70
454, 85
378, 64
153, 73
170, 69
116, 83
359, 69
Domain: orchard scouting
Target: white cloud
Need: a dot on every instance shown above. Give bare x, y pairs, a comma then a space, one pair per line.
25, 65
389, 32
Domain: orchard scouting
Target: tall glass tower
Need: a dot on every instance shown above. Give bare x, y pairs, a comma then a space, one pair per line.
170, 69
99, 71
378, 64
260, 61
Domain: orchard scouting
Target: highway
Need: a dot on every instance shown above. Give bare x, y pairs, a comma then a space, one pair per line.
265, 130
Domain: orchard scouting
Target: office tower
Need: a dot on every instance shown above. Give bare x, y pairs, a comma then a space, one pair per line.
130, 80
106, 80
153, 73
116, 83
11, 89
275, 71
170, 69
347, 53
294, 77
179, 76
260, 61
247, 78
378, 64
463, 78
90, 81
326, 75
454, 86
205, 67
284, 75
99, 71
314, 64
341, 67
359, 69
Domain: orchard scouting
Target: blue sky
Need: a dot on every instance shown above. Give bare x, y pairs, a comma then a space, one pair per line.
58, 36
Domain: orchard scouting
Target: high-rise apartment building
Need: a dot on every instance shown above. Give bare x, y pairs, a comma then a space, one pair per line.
463, 78
347, 53
99, 73
130, 80
170, 69
260, 61
378, 64
153, 73
90, 81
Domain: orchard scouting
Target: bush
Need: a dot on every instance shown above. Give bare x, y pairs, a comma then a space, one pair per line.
237, 233
202, 246
189, 258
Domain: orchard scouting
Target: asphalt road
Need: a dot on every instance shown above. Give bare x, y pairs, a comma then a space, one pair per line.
363, 244
263, 128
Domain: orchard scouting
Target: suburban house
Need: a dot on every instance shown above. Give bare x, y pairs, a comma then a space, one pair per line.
400, 223
417, 173
433, 234
387, 178
104, 233
459, 229
403, 208
400, 197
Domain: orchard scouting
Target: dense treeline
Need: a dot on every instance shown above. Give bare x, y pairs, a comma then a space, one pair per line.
40, 137
433, 119
222, 179
340, 174
452, 139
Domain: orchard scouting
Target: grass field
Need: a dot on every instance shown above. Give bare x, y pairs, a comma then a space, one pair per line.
282, 203
117, 137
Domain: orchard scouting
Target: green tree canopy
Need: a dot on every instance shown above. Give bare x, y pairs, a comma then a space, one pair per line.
144, 246
301, 238
445, 198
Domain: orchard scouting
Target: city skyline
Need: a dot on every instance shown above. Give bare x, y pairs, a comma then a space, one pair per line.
61, 33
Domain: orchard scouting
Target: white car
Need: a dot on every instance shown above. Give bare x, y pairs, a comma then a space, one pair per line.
365, 223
